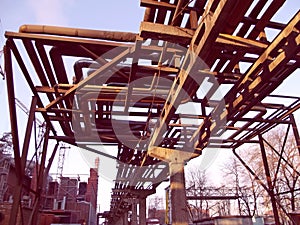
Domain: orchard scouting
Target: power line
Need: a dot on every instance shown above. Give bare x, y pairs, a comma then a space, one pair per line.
61, 160
26, 111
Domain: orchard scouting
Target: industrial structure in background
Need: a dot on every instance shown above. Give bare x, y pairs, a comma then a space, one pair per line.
199, 75
63, 201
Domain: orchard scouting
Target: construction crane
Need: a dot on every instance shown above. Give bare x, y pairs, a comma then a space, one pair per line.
62, 149
39, 137
23, 107
61, 160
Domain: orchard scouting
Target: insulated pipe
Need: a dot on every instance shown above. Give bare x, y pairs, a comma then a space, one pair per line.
80, 64
112, 91
75, 32
144, 71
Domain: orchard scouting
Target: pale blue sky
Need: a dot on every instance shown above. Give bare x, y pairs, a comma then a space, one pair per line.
108, 15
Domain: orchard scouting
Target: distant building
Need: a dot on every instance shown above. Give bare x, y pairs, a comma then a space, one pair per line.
67, 201
71, 201
8, 180
5, 163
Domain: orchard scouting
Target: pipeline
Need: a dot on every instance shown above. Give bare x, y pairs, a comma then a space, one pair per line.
76, 32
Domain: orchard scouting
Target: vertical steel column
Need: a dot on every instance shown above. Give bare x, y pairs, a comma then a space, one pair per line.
142, 211
23, 158
296, 132
12, 105
125, 218
50, 161
14, 132
28, 133
141, 196
134, 219
167, 213
40, 180
269, 180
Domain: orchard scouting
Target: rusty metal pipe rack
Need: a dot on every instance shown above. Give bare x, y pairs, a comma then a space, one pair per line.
85, 107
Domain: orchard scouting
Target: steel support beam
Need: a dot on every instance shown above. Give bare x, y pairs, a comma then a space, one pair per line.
286, 160
14, 132
184, 36
22, 164
167, 6
203, 38
28, 133
34, 218
91, 77
296, 131
142, 211
250, 170
168, 33
125, 218
259, 81
134, 216
260, 181
12, 106
27, 76
269, 180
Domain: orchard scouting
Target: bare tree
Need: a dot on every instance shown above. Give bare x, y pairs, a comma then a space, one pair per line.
247, 190
283, 163
197, 183
156, 209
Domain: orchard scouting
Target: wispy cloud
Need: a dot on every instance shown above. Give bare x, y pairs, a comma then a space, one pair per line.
48, 12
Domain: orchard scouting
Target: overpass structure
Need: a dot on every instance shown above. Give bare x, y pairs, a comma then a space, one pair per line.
199, 75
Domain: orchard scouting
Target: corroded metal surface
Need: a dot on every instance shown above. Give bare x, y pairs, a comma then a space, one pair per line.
130, 90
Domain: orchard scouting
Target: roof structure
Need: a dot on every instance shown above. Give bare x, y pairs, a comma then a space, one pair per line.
199, 74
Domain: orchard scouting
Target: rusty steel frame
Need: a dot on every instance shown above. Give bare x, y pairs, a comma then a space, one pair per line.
270, 180
79, 110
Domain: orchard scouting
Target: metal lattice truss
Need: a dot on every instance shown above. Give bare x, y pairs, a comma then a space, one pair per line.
199, 74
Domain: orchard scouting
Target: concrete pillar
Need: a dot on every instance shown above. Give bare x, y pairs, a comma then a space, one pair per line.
176, 160
134, 218
142, 211
179, 213
140, 198
125, 218
118, 222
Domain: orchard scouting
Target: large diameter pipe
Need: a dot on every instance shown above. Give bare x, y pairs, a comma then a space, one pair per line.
76, 32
